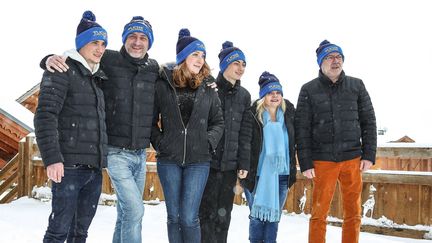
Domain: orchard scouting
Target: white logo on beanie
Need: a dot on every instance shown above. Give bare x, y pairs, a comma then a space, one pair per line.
100, 33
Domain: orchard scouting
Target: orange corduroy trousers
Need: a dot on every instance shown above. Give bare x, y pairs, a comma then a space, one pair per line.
327, 173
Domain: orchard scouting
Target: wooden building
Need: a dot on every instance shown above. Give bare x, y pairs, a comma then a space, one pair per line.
30, 99
404, 139
15, 123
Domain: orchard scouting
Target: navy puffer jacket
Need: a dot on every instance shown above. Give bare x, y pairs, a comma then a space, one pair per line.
334, 121
70, 117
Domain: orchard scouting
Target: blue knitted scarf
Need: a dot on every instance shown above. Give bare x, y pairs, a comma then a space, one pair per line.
273, 162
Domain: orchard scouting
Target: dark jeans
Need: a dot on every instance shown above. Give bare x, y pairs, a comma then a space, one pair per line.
183, 187
74, 203
264, 231
216, 206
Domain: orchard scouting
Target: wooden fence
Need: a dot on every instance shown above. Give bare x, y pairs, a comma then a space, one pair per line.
404, 198
26, 170
17, 177
9, 179
404, 159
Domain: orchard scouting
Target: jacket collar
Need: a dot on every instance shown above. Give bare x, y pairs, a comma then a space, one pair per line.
166, 73
226, 85
75, 55
100, 74
83, 66
137, 61
327, 82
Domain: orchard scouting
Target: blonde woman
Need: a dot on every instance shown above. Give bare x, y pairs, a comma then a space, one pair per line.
273, 164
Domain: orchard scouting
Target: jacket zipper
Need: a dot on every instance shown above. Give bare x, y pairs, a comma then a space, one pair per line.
184, 146
100, 147
181, 120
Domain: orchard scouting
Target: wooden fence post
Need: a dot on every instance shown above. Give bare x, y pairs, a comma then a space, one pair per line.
28, 166
20, 169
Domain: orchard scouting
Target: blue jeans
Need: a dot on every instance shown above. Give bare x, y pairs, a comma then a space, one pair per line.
183, 187
74, 203
264, 231
127, 170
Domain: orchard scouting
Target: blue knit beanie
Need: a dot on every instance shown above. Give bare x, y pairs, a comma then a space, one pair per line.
229, 54
138, 24
268, 83
326, 48
88, 30
186, 45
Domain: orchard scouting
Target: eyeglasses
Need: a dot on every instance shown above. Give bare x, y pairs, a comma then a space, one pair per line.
332, 58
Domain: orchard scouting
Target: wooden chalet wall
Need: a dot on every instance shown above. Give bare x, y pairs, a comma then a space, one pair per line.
10, 135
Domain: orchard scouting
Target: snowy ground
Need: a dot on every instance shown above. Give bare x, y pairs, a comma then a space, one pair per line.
25, 220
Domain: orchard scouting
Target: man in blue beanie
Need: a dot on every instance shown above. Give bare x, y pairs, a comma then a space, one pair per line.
71, 134
336, 140
129, 98
231, 159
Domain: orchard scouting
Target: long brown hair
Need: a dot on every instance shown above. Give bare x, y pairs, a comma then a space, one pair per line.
182, 77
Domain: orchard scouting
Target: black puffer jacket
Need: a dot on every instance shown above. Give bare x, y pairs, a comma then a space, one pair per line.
129, 96
257, 142
70, 117
233, 150
334, 121
192, 142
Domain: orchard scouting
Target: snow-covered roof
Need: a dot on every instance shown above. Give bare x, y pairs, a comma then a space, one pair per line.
17, 113
385, 141
29, 93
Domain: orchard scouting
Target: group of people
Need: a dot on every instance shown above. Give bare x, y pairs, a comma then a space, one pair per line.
102, 108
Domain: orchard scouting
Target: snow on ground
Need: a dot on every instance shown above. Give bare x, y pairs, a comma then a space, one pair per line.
25, 221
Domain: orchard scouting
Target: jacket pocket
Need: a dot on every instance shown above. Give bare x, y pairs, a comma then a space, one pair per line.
73, 131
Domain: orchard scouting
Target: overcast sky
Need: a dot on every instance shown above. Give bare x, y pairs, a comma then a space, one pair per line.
386, 43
